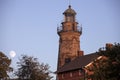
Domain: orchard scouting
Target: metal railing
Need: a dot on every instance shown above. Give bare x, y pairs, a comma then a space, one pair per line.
60, 29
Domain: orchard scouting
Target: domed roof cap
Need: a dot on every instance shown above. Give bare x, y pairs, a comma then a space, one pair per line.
70, 11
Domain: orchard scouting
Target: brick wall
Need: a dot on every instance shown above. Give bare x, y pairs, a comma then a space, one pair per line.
71, 75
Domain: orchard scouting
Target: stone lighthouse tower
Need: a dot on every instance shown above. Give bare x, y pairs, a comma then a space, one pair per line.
69, 38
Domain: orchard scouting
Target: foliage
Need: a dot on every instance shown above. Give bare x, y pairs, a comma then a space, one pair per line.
108, 67
4, 66
31, 69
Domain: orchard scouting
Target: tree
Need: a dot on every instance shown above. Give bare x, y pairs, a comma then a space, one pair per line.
107, 67
30, 69
4, 66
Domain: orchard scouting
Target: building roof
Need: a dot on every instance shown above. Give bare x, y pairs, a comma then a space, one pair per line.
78, 63
70, 11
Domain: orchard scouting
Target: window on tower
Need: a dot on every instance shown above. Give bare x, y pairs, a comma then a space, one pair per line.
69, 17
67, 60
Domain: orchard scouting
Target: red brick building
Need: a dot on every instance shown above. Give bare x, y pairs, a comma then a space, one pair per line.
71, 59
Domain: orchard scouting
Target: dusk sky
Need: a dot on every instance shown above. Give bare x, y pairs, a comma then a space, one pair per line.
30, 26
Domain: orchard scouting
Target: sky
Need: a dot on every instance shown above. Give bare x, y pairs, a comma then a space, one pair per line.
30, 26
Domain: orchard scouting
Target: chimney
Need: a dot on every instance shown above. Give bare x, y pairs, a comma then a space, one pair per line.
80, 53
